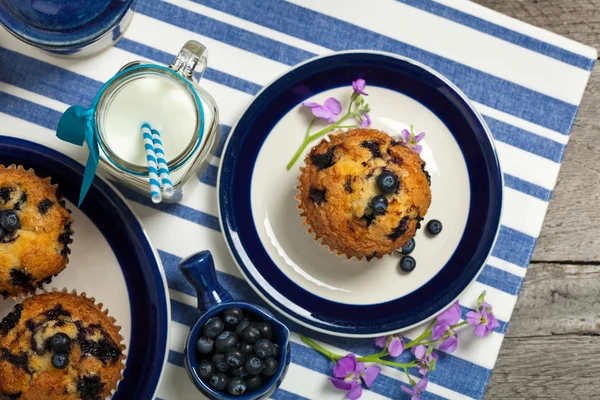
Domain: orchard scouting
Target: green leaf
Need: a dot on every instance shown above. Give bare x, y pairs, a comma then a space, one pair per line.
480, 299
429, 351
432, 365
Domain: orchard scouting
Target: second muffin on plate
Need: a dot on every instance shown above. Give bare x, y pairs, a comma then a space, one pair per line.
363, 194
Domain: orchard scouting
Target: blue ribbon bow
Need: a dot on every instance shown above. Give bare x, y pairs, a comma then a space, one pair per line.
75, 126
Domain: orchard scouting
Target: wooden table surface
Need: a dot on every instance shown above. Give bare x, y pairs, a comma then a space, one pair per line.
552, 347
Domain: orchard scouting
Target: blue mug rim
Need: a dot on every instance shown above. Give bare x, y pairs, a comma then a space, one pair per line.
50, 40
191, 359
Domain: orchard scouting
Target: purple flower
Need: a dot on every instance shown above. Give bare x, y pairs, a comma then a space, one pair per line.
395, 346
348, 373
442, 329
426, 361
451, 316
416, 390
359, 86
483, 319
329, 110
412, 140
366, 122
449, 344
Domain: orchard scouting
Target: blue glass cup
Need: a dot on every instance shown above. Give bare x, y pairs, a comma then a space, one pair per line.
67, 27
199, 270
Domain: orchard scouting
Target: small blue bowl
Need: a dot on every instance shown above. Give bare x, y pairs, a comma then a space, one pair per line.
199, 270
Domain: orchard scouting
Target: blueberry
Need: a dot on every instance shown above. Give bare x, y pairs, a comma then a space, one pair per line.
236, 386
266, 330
205, 345
246, 348
232, 316
239, 371
206, 369
254, 382
275, 350
387, 182
270, 368
235, 357
254, 365
241, 326
213, 327
225, 341
220, 362
434, 227
409, 246
9, 220
2, 233
379, 204
60, 343
407, 263
219, 381
60, 360
264, 348
251, 334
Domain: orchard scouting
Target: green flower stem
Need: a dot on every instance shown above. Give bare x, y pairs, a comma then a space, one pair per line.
424, 335
463, 323
310, 138
310, 127
373, 357
311, 343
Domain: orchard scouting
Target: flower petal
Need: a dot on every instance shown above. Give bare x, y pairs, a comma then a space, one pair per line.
341, 384
473, 318
451, 316
333, 105
381, 341
370, 375
418, 137
360, 367
355, 391
333, 118
449, 345
365, 122
419, 351
406, 135
481, 330
422, 384
311, 104
418, 149
438, 330
407, 390
396, 346
322, 112
345, 366
492, 322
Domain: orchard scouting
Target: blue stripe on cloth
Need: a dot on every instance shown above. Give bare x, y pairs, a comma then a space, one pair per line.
28, 111
526, 187
225, 131
177, 358
209, 176
503, 33
501, 280
317, 28
238, 288
514, 246
526, 140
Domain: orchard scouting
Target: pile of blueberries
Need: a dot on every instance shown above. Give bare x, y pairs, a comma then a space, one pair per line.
236, 354
60, 345
9, 222
408, 263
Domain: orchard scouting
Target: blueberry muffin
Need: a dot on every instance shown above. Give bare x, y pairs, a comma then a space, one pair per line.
59, 346
363, 193
35, 231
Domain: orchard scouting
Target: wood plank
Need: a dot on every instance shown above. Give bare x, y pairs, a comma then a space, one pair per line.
551, 367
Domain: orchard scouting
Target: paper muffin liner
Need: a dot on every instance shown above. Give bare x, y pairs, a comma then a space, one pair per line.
61, 201
100, 307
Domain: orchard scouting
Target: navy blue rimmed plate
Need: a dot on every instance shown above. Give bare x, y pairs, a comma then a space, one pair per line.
111, 260
306, 281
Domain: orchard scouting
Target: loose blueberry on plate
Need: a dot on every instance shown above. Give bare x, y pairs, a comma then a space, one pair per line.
225, 341
434, 227
241, 326
246, 348
387, 182
213, 327
409, 246
251, 334
236, 386
265, 329
60, 343
264, 348
205, 345
9, 220
379, 204
235, 357
254, 365
220, 362
60, 360
270, 367
219, 381
407, 263
253, 382
232, 316
206, 369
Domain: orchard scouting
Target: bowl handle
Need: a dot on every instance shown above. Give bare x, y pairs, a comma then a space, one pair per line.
199, 270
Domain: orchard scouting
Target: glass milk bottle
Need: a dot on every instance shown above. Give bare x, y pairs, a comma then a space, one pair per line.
167, 99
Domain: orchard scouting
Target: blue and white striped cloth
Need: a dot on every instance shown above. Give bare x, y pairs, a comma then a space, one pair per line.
527, 83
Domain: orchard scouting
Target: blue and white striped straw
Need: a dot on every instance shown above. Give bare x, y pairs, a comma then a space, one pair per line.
163, 168
151, 159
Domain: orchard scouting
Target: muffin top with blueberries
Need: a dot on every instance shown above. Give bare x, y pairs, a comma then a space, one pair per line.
59, 346
363, 193
35, 231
